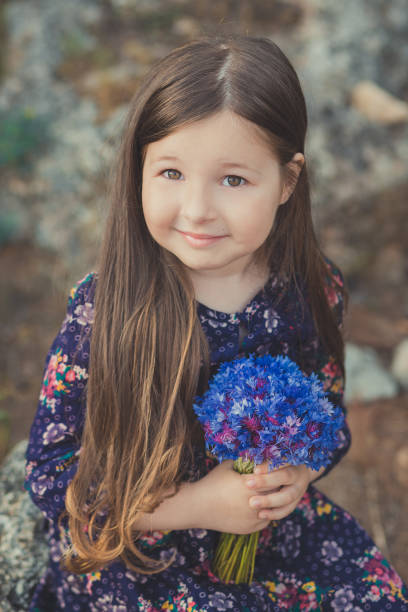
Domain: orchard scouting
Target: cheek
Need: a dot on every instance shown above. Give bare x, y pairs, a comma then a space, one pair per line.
158, 213
256, 224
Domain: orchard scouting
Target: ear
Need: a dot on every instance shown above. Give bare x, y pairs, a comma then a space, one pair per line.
291, 174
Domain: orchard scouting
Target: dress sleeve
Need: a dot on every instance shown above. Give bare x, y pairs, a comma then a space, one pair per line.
329, 370
55, 436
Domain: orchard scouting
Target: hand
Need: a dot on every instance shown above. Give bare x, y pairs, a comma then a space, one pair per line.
278, 492
220, 502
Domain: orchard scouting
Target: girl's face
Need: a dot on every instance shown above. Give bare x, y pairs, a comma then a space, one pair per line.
210, 193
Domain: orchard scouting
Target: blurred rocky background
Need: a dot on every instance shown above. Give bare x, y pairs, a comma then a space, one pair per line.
67, 71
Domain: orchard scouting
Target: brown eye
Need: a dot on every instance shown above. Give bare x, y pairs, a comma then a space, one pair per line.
172, 174
234, 181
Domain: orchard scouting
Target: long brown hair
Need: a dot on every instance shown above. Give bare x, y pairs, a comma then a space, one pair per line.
147, 348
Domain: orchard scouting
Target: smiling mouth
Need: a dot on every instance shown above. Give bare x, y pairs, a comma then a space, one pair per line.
200, 240
199, 236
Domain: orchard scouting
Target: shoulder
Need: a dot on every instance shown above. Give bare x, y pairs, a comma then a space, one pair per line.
83, 291
334, 274
66, 365
80, 309
334, 288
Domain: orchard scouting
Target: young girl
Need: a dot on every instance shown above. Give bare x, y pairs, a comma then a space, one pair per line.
209, 254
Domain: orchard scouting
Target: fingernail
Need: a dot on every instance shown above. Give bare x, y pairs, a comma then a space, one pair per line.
255, 503
251, 483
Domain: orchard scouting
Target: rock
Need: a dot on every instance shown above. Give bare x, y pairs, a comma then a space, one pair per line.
367, 239
14, 224
4, 432
399, 366
110, 87
186, 27
368, 328
137, 52
401, 463
377, 104
366, 379
389, 264
338, 45
23, 547
41, 34
379, 433
140, 5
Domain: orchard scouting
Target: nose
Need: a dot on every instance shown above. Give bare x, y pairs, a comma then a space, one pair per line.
198, 204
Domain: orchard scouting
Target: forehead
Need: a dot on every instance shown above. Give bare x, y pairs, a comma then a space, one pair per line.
222, 134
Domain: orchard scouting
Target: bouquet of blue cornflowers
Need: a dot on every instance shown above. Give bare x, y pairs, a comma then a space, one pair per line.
259, 409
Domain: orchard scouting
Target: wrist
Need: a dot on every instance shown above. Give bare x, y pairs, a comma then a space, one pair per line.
175, 512
197, 508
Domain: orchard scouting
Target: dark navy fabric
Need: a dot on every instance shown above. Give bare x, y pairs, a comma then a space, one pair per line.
317, 558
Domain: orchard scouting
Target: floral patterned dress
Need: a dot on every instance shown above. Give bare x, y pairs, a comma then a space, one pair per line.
317, 558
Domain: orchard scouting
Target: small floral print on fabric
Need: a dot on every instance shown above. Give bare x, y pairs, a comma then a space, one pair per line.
331, 376
334, 280
343, 600
267, 537
333, 296
150, 539
54, 433
182, 602
220, 601
271, 320
311, 507
67, 460
172, 554
104, 603
80, 286
198, 533
59, 377
90, 579
290, 543
42, 484
292, 594
331, 552
84, 314
213, 322
383, 580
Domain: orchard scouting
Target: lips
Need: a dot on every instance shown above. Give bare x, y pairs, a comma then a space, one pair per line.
199, 236
200, 240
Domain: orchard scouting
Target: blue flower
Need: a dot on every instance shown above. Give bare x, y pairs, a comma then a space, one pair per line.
265, 408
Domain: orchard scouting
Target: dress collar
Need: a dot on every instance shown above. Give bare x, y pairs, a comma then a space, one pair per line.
271, 289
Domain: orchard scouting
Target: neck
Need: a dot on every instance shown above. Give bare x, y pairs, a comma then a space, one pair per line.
228, 293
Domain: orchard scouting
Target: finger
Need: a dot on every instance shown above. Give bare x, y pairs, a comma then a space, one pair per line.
277, 513
288, 495
272, 480
261, 468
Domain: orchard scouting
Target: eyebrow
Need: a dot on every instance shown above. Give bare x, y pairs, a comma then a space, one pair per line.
166, 158
229, 164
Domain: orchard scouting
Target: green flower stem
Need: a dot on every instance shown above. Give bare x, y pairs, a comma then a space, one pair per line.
234, 559
224, 549
252, 553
